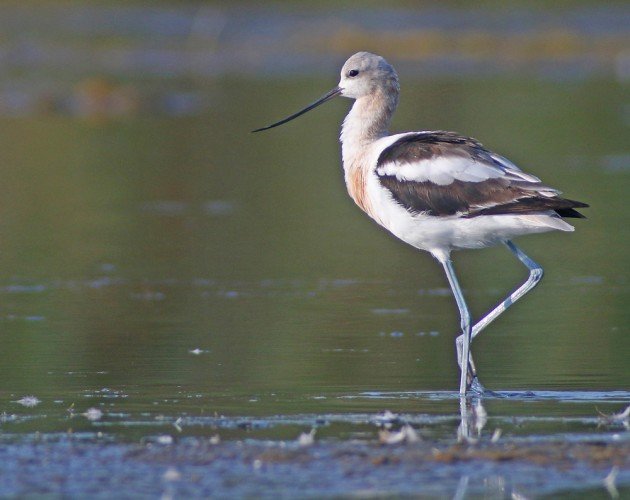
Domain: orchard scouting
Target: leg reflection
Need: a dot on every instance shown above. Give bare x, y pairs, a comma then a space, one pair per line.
473, 419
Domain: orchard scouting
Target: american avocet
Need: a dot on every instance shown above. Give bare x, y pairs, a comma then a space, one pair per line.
438, 191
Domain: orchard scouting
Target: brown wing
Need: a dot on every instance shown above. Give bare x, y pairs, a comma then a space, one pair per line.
504, 190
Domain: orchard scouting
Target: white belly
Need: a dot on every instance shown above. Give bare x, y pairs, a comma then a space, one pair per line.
440, 235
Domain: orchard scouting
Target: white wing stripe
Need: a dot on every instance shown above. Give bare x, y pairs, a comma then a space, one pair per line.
442, 170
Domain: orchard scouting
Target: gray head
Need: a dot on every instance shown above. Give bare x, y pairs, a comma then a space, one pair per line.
362, 75
365, 73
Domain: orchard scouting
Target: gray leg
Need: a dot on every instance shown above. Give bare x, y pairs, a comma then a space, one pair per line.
472, 370
535, 275
465, 324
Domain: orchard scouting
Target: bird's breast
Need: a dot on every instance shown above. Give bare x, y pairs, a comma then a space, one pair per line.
359, 164
357, 184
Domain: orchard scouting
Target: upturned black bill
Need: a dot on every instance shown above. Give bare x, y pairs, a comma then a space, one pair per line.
326, 97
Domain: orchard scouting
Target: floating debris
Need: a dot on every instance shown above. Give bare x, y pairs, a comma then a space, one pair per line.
432, 333
307, 438
480, 415
198, 351
216, 439
164, 439
406, 434
622, 418
5, 417
176, 424
496, 435
93, 414
171, 474
395, 334
105, 393
387, 419
28, 401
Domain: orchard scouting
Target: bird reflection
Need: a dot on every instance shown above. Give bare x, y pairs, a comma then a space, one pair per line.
473, 419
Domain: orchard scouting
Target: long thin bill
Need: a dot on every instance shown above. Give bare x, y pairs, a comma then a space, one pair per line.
326, 97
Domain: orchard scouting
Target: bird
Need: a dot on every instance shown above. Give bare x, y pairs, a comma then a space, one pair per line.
438, 191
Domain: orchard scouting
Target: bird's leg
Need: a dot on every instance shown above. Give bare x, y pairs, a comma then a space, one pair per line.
535, 275
472, 370
465, 325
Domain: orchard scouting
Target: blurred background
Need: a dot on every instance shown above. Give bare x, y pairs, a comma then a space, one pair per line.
152, 248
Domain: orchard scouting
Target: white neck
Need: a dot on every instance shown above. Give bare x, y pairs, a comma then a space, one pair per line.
367, 121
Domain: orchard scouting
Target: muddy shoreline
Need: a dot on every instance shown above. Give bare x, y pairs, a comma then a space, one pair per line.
81, 465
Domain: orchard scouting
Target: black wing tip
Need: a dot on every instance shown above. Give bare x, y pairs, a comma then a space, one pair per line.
579, 204
534, 205
570, 212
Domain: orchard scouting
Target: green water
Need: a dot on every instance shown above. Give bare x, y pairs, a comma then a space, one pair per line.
127, 243
180, 299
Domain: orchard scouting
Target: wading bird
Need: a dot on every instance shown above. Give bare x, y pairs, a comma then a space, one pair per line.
438, 191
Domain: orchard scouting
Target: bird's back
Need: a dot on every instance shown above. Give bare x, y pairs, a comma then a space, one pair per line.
443, 174
439, 190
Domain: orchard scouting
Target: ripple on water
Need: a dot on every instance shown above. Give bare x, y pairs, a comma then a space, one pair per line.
568, 396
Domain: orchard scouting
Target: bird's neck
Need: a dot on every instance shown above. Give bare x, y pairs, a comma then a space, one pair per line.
367, 121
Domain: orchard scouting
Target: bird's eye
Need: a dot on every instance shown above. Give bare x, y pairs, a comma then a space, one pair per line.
353, 72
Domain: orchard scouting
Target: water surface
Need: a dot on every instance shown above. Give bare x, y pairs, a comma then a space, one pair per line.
166, 277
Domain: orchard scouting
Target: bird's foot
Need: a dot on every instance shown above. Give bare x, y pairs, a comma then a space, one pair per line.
475, 388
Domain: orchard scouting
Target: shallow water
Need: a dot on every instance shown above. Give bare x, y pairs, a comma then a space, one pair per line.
171, 283
170, 346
